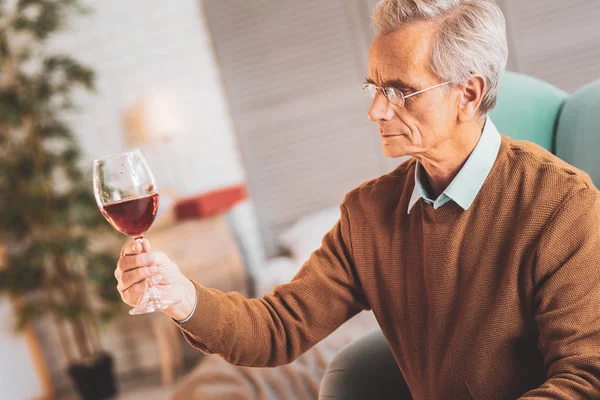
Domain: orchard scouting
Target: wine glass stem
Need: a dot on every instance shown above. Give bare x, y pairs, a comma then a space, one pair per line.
153, 291
149, 283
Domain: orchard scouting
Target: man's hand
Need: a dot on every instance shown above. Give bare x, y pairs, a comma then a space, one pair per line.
138, 262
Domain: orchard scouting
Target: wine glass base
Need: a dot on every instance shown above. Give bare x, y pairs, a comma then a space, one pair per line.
150, 305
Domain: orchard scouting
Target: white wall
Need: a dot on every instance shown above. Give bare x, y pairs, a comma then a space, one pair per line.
145, 50
18, 380
160, 52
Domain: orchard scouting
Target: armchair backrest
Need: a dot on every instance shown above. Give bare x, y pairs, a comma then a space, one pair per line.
528, 109
578, 131
567, 125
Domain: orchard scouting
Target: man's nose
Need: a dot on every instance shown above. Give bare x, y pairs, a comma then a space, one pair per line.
380, 109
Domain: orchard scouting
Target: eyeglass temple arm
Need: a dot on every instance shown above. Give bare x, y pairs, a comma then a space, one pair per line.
424, 90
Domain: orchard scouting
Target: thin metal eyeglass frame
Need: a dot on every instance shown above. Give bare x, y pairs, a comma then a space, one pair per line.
402, 97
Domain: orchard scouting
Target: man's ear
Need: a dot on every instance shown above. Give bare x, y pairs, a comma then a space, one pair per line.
472, 94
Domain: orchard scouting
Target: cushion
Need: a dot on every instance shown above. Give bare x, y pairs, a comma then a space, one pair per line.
306, 234
578, 133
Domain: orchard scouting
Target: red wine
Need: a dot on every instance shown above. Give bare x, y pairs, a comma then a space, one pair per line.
132, 217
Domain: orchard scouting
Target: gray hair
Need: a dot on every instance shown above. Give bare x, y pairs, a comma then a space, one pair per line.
471, 38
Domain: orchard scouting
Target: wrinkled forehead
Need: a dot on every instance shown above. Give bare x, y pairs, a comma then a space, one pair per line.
404, 53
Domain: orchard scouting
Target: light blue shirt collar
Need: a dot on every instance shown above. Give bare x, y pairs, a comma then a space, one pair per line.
466, 184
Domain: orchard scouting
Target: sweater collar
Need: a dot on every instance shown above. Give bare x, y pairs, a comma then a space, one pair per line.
466, 184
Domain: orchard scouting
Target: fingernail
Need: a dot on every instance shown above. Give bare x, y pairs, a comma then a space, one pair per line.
150, 258
133, 247
153, 269
156, 278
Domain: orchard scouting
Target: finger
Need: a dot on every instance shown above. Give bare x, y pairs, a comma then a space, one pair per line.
131, 248
160, 258
146, 246
127, 263
131, 278
133, 294
134, 276
118, 273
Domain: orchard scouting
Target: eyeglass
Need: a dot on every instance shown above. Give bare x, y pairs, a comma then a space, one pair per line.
394, 95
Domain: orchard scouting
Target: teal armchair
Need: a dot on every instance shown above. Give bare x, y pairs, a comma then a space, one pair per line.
527, 109
567, 125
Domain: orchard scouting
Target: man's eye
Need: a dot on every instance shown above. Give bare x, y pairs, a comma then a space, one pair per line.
405, 91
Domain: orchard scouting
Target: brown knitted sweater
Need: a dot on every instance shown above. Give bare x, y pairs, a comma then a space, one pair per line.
499, 301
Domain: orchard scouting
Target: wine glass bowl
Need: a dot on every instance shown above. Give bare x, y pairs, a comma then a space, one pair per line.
132, 217
127, 196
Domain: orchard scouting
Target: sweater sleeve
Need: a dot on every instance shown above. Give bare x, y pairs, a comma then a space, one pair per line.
567, 281
277, 328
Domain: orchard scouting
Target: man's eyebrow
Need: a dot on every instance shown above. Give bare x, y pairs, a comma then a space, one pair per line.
398, 83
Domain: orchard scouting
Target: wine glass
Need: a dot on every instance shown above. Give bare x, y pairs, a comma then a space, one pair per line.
127, 196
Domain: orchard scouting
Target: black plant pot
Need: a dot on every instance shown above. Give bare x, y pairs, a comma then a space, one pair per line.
95, 380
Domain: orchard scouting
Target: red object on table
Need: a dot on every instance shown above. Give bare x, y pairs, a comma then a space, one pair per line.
210, 203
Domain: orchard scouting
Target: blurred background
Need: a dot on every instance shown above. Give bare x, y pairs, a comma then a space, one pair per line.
253, 120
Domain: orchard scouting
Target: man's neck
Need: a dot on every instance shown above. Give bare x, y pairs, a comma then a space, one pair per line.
441, 167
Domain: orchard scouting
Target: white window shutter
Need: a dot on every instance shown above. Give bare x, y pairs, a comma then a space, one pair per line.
293, 72
555, 40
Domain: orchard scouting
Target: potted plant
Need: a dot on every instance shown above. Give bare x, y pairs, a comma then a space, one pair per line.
48, 212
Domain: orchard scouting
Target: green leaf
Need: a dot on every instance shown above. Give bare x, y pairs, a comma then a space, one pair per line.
23, 4
30, 311
56, 130
50, 19
14, 221
71, 154
100, 269
76, 245
74, 310
74, 72
74, 173
4, 287
10, 105
22, 277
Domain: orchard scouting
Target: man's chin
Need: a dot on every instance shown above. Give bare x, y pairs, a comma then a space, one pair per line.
393, 152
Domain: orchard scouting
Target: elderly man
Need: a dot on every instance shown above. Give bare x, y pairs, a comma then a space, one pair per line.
479, 256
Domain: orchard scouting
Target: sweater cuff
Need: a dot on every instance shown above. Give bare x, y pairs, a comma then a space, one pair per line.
205, 322
186, 319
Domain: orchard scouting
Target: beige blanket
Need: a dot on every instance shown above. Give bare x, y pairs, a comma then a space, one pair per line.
214, 379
